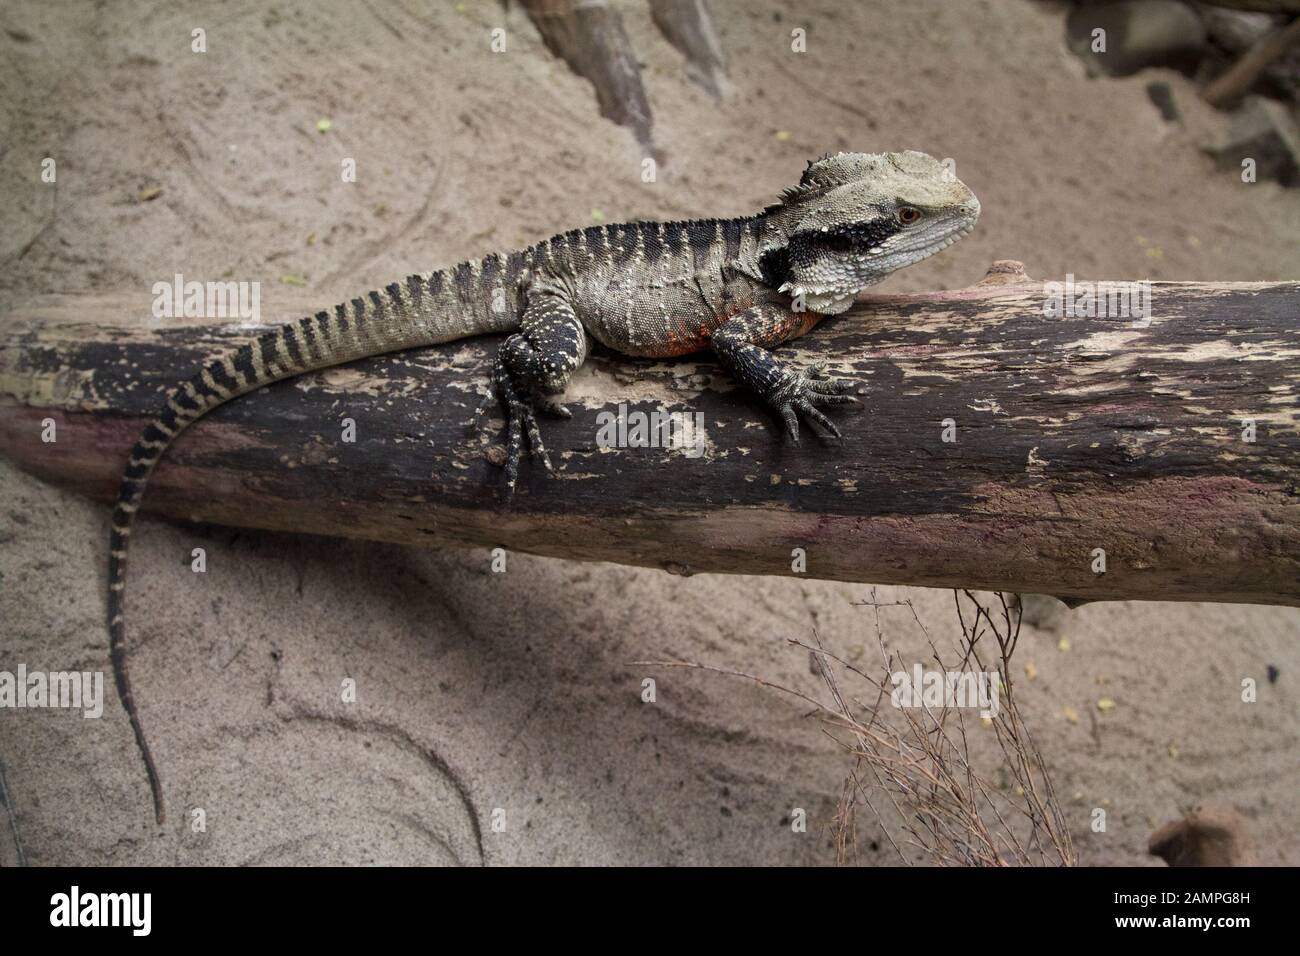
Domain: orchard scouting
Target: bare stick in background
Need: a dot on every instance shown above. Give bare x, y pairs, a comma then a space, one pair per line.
919, 758
915, 768
1241, 76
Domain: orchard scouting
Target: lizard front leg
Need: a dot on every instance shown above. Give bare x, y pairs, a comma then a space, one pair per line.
538, 360
742, 344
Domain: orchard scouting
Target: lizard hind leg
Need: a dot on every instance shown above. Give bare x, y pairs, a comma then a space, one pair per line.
536, 362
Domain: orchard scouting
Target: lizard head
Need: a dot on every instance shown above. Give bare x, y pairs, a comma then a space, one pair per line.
856, 217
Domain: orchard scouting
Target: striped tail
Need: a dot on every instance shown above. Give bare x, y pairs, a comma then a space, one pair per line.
425, 310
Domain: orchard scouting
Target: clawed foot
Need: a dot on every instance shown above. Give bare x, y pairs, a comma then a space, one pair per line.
801, 392
522, 421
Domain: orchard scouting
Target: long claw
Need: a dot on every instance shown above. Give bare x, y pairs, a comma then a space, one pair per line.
816, 416
801, 393
825, 398
791, 424
491, 396
521, 422
535, 436
513, 450
837, 386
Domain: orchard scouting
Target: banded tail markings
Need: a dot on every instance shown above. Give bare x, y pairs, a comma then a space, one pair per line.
415, 289
270, 350
313, 342
221, 378
340, 321
242, 360
343, 327
463, 277
185, 401
490, 273
375, 329
309, 337
291, 346
396, 300
211, 385
358, 316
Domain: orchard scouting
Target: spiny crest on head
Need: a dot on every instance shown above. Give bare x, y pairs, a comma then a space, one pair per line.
824, 174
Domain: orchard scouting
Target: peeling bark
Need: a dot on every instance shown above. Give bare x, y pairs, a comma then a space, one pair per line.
1072, 434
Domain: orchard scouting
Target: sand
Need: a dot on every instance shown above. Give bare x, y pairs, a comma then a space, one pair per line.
499, 716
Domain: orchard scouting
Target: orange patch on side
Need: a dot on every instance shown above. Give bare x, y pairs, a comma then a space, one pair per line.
686, 344
809, 321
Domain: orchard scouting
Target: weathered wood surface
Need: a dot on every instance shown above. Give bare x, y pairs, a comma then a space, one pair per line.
1072, 434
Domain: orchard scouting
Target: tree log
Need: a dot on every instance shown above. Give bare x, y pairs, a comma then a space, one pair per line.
1069, 435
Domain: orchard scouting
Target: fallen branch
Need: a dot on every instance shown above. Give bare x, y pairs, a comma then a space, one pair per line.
1241, 76
913, 753
1070, 435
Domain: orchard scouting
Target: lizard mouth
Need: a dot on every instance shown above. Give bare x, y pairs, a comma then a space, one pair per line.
945, 242
963, 231
953, 237
914, 255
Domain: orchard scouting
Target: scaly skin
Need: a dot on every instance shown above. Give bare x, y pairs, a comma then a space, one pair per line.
738, 286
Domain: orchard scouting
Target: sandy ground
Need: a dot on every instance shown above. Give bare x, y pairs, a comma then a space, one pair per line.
514, 694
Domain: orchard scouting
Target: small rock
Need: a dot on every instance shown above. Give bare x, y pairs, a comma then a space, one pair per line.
1042, 611
1208, 836
1265, 131
1163, 97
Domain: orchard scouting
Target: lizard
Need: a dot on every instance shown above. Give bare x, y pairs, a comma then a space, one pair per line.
740, 287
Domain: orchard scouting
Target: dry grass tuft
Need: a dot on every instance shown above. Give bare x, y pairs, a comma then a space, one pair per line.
917, 762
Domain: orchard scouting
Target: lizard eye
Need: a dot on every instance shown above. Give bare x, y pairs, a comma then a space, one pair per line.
908, 215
